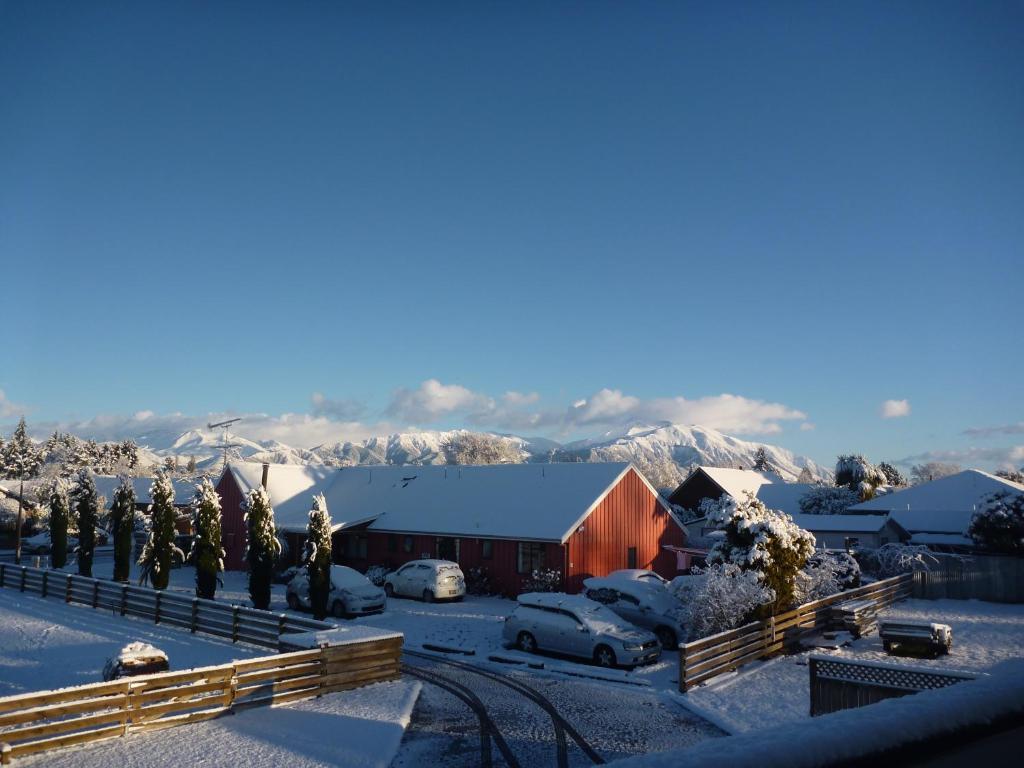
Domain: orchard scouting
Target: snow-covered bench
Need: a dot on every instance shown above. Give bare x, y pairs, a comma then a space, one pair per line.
916, 637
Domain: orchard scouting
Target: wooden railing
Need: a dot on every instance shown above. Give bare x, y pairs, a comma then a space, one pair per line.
237, 622
703, 659
38, 722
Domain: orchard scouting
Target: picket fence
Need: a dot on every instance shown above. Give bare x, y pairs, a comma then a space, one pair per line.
703, 659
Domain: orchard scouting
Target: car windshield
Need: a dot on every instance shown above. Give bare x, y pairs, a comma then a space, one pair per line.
600, 618
343, 576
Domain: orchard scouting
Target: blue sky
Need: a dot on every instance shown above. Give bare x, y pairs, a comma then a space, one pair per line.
347, 217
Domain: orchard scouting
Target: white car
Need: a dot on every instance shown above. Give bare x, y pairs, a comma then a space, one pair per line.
576, 626
638, 574
40, 544
352, 594
647, 605
427, 579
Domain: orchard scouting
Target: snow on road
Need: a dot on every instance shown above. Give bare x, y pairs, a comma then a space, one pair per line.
361, 728
767, 694
46, 643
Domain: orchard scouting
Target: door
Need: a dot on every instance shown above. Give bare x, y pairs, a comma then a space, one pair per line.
402, 578
448, 549
576, 637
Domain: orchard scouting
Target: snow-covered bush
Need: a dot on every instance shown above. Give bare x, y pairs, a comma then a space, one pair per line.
262, 546
843, 564
893, 559
859, 475
376, 574
827, 573
765, 541
318, 556
160, 550
720, 597
478, 581
824, 499
998, 524
207, 553
543, 580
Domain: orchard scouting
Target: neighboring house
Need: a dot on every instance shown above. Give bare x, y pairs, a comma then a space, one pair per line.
714, 482
106, 485
583, 519
939, 513
830, 531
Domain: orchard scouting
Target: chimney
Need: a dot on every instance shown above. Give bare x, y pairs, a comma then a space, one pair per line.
266, 472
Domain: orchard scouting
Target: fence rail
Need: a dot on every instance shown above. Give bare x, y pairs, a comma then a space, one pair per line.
235, 622
710, 656
994, 578
843, 684
47, 720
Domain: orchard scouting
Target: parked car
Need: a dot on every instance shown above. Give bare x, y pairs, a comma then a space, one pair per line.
286, 575
641, 603
39, 544
638, 574
427, 579
351, 593
577, 626
135, 659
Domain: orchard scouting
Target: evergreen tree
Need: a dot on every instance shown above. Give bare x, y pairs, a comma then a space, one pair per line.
21, 459
892, 475
761, 462
85, 506
190, 468
318, 556
122, 524
60, 513
160, 550
207, 554
262, 545
805, 476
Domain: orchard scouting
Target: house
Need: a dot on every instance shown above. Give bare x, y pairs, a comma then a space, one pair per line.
714, 482
106, 486
582, 519
938, 513
830, 531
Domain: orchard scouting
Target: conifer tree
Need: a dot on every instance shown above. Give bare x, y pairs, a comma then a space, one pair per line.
85, 507
318, 556
160, 550
206, 554
262, 545
60, 512
122, 525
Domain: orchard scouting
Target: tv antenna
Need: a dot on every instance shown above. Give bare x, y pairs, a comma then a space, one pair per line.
225, 445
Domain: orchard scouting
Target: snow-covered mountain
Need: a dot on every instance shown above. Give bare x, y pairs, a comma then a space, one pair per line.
649, 446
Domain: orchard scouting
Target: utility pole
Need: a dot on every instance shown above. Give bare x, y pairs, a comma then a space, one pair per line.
17, 540
225, 445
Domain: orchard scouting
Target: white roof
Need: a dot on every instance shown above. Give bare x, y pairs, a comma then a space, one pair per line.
544, 502
841, 523
784, 496
954, 539
945, 505
736, 482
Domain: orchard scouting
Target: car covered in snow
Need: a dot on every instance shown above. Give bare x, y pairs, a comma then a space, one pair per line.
641, 603
352, 594
40, 544
639, 574
576, 626
135, 659
427, 579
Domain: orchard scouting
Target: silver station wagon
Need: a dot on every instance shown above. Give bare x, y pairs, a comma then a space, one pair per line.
576, 626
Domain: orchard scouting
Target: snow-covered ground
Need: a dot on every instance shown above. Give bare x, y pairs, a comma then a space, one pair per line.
46, 643
361, 728
767, 694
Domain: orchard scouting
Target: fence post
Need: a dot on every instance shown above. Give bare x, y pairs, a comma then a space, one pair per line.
5, 753
24, 571
124, 599
813, 667
95, 592
3, 574
682, 668
280, 627
195, 613
156, 614
234, 624
67, 590
45, 575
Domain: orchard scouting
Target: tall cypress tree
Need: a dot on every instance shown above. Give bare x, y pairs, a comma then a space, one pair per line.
122, 524
60, 512
318, 556
207, 553
160, 548
85, 507
262, 545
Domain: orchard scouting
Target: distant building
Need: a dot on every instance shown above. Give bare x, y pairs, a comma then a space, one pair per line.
582, 519
714, 482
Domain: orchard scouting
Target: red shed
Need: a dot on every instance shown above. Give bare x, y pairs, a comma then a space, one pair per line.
581, 519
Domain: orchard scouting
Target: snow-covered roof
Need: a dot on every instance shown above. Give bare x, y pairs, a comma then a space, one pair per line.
784, 496
736, 482
946, 539
945, 505
106, 485
544, 502
841, 523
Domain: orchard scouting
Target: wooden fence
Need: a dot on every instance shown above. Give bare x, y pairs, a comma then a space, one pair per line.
843, 684
37, 722
210, 617
710, 656
995, 578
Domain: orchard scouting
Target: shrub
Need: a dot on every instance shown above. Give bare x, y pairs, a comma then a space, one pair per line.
720, 597
893, 559
843, 564
827, 500
998, 525
543, 580
376, 574
478, 581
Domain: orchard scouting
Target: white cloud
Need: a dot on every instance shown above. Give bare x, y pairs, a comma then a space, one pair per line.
807, 426
432, 399
1003, 429
344, 410
894, 409
1010, 457
9, 409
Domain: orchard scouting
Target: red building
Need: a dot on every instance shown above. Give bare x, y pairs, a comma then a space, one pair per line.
581, 519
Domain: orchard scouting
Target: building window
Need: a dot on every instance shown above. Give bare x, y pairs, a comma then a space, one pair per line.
356, 547
447, 549
392, 542
531, 557
486, 549
407, 545
631, 557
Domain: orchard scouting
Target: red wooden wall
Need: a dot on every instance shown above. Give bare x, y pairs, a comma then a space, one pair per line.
232, 523
629, 516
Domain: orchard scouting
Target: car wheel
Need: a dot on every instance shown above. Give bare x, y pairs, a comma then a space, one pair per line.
604, 656
428, 596
389, 590
338, 609
293, 601
526, 643
667, 638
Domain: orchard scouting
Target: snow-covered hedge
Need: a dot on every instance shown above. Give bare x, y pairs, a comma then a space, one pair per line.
824, 499
998, 524
478, 581
543, 580
826, 573
720, 597
376, 574
893, 559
